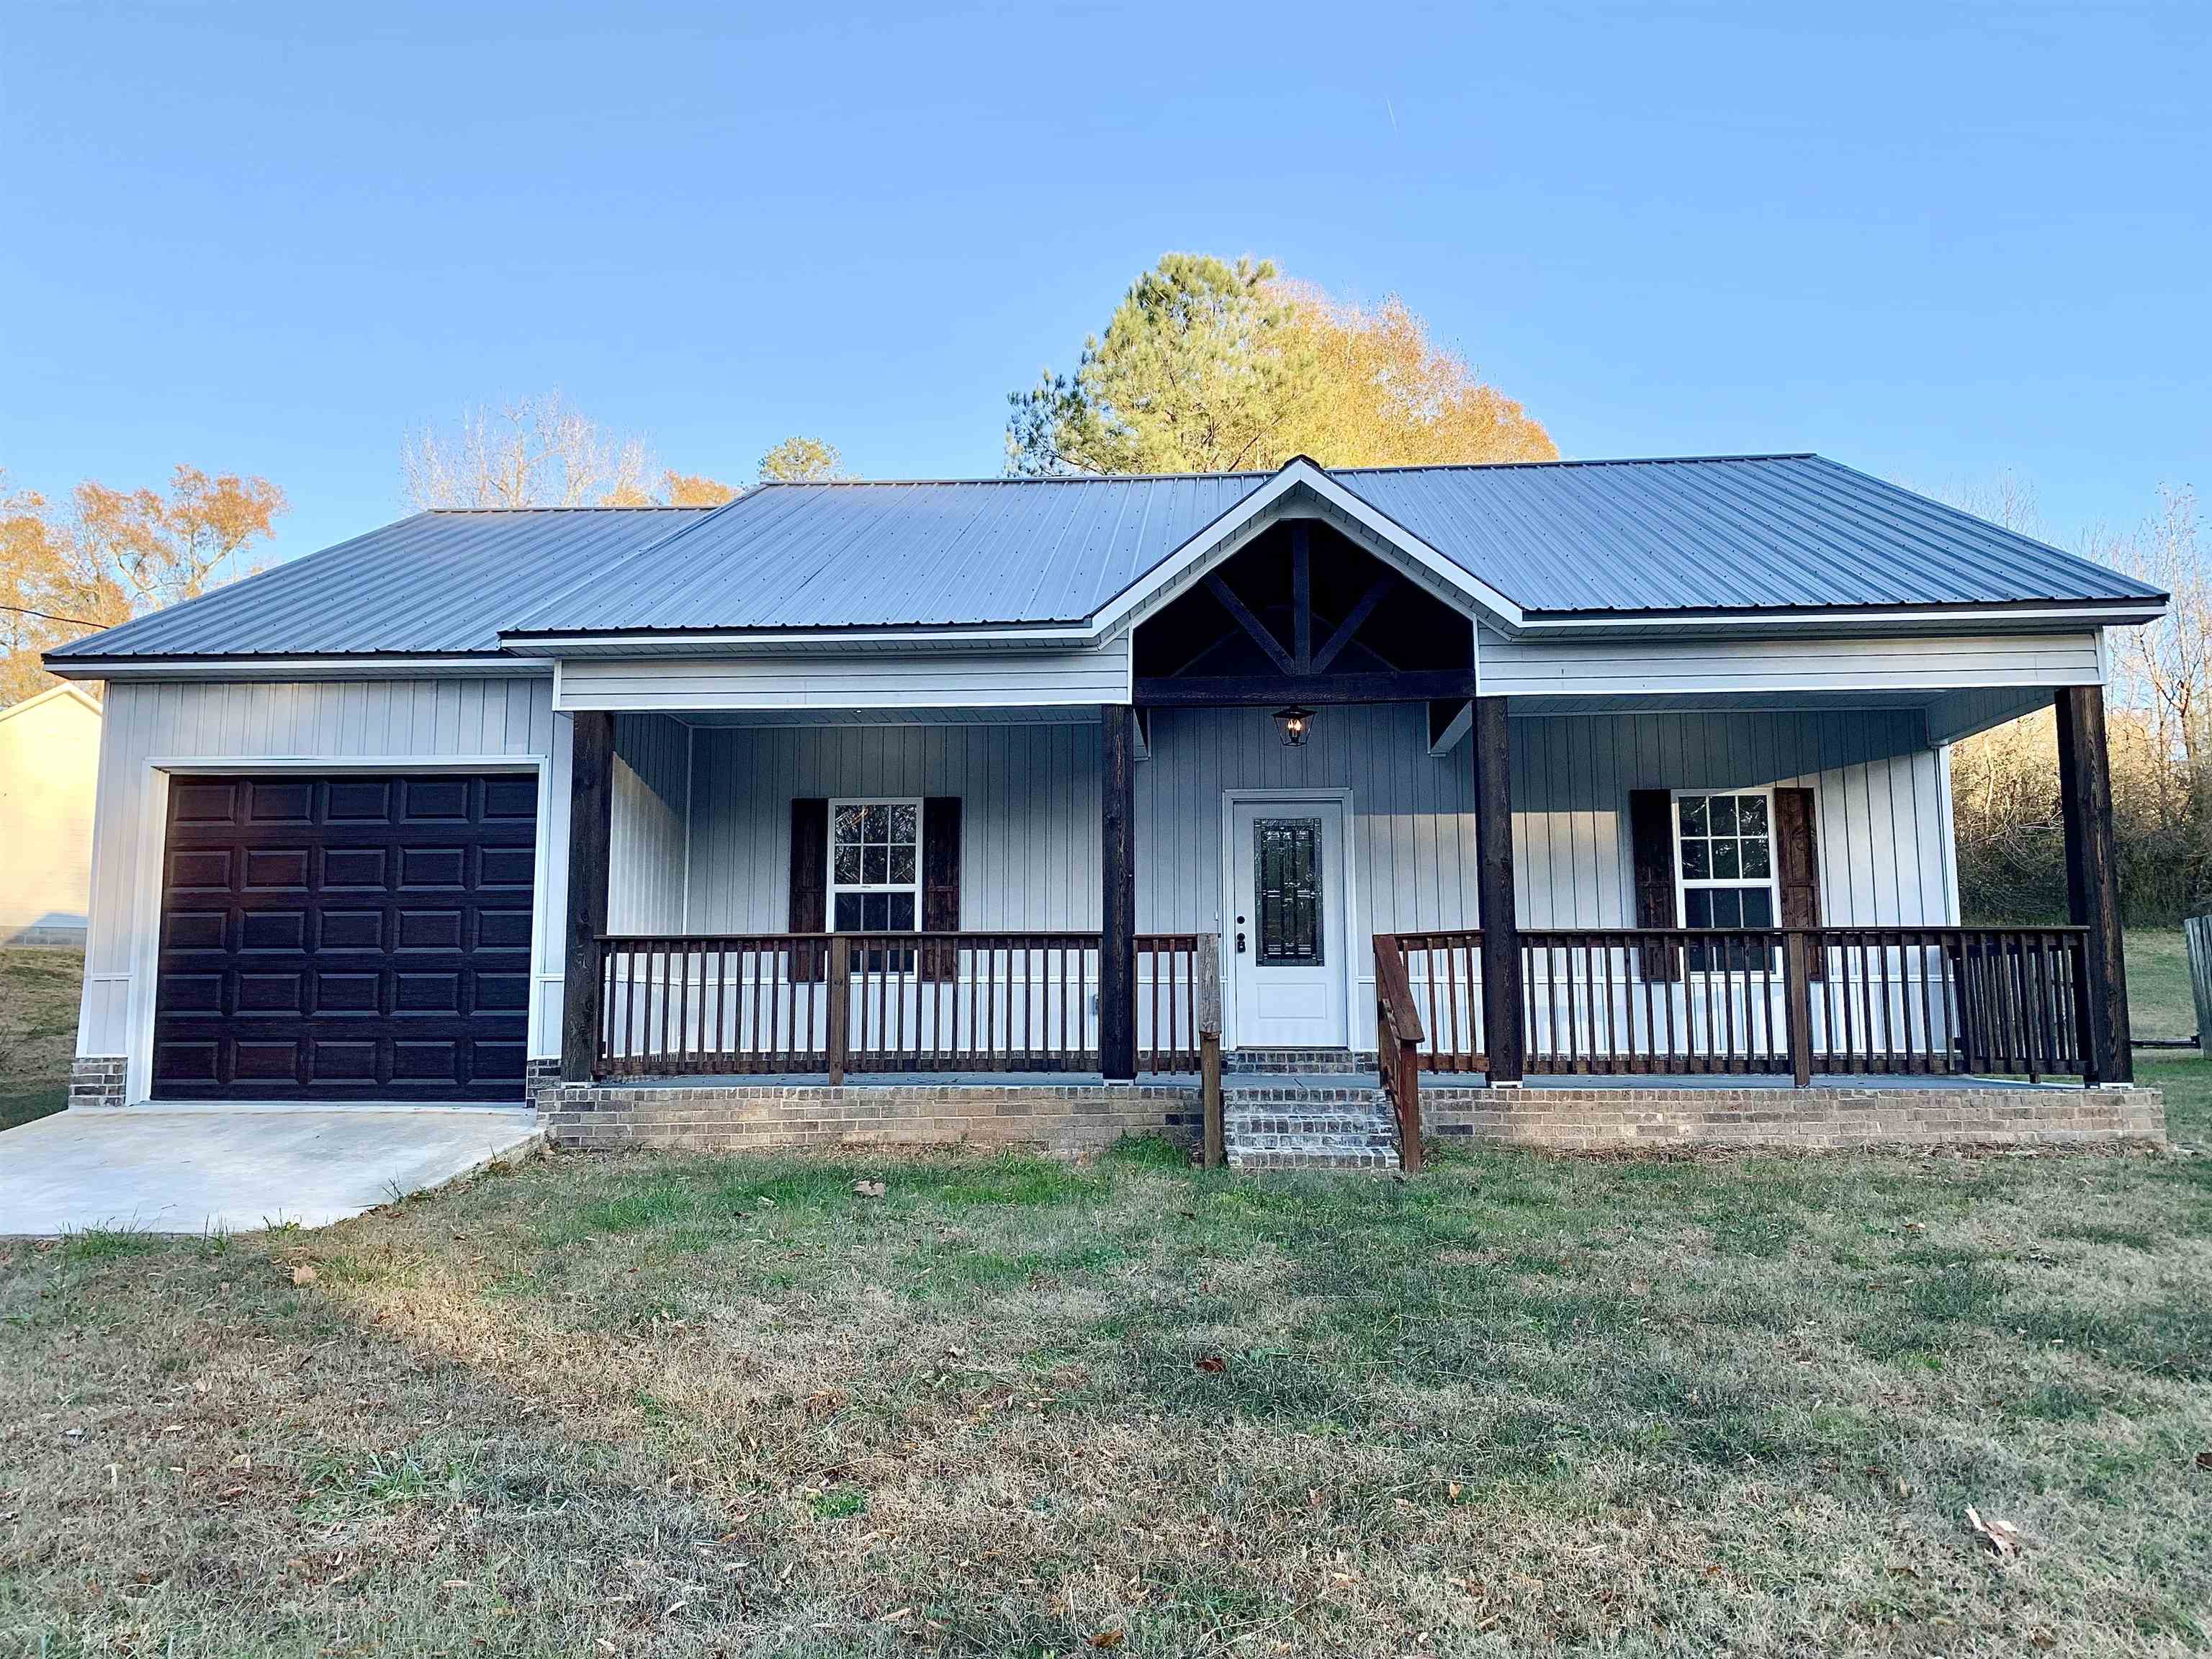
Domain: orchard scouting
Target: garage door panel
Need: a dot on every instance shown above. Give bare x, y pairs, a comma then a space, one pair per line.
423, 800
200, 870
184, 1063
346, 938
350, 930
430, 930
427, 993
196, 930
265, 1060
498, 1063
282, 993
344, 1060
276, 870
349, 993
514, 797
356, 869
511, 869
267, 801
281, 929
502, 929
203, 800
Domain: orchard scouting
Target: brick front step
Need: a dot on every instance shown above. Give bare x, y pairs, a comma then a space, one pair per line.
1297, 1062
1283, 1127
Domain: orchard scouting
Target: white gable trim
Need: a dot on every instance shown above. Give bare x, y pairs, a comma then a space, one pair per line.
1383, 535
77, 692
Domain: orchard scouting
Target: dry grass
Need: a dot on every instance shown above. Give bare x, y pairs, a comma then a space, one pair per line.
38, 1029
657, 1405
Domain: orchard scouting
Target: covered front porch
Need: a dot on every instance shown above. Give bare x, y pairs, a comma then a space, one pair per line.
1312, 814
691, 838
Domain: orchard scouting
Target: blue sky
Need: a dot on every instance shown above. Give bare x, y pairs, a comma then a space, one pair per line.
1936, 242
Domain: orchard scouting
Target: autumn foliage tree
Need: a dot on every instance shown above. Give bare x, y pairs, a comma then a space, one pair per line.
117, 554
695, 490
2004, 782
802, 460
1387, 395
1210, 366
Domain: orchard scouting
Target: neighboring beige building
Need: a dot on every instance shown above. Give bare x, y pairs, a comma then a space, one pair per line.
49, 763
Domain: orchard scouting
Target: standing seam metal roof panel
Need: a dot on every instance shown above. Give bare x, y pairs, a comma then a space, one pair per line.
1760, 532
437, 583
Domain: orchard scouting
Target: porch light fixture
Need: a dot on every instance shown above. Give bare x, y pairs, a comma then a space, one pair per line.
1296, 722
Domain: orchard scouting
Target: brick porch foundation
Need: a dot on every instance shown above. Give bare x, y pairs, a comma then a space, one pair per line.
1076, 1118
1065, 1120
1820, 1119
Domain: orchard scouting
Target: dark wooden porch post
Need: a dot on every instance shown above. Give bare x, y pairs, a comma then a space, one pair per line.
2093, 885
1117, 915
591, 825
1501, 934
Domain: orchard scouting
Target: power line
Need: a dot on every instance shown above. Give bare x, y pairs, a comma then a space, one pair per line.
30, 611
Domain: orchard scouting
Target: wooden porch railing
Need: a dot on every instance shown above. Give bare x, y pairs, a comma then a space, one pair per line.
674, 1005
1398, 1038
2003, 1001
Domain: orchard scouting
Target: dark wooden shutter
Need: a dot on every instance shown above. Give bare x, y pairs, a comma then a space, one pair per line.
809, 885
1651, 839
1797, 863
940, 884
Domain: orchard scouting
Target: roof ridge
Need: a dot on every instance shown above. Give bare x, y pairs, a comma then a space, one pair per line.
1269, 472
599, 507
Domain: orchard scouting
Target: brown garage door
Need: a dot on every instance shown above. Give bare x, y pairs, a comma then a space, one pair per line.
345, 938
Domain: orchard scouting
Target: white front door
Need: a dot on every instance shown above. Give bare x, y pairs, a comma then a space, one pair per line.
1284, 942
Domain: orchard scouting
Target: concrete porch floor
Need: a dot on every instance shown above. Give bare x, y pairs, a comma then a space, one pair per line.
193, 1169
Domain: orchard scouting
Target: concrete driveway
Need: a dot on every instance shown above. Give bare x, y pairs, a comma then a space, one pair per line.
190, 1170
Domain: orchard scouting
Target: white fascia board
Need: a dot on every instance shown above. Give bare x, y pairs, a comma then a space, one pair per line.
1210, 544
300, 668
1900, 619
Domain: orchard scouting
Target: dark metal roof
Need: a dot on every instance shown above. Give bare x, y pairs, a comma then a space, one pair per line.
436, 584
1743, 533
976, 551
1738, 533
1754, 532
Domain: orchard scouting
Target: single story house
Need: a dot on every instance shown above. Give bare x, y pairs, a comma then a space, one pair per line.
49, 763
952, 808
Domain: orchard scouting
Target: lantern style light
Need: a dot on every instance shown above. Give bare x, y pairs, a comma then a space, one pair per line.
1295, 722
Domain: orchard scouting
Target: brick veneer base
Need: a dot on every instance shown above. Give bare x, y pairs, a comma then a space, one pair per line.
540, 1078
1812, 1120
96, 1080
1066, 1119
1072, 1120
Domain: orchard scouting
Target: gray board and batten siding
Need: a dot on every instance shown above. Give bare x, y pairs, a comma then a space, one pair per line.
1030, 819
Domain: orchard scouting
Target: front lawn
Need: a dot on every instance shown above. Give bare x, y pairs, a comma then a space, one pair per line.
654, 1405
38, 991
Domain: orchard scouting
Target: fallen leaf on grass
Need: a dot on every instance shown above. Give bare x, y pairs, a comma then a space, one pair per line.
2002, 1536
869, 1188
1109, 1639
303, 1275
1212, 1362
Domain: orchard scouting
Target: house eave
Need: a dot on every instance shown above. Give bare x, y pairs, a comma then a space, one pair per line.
363, 665
2005, 617
769, 641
